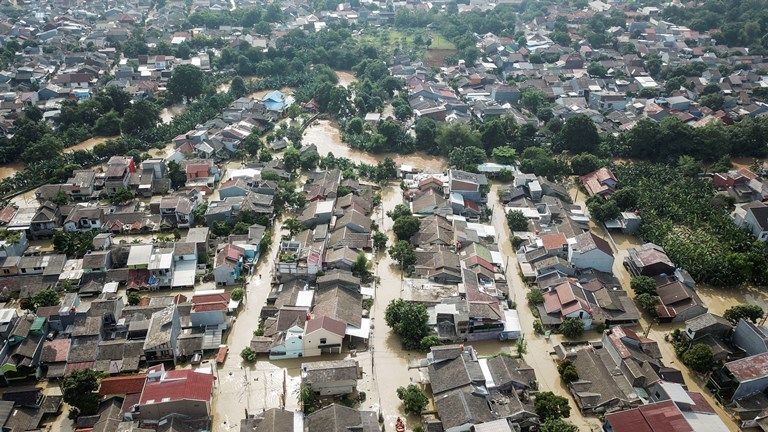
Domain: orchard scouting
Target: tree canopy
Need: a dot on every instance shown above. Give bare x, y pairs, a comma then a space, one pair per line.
409, 321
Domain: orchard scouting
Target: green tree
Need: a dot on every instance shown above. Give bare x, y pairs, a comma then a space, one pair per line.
517, 221
572, 328
648, 302
750, 312
504, 155
643, 285
585, 163
455, 135
578, 135
141, 116
596, 69
108, 124
45, 297
408, 321
176, 175
428, 342
237, 294
551, 406
699, 358
399, 211
558, 425
414, 399
535, 297
533, 99
688, 166
120, 196
426, 134
406, 226
466, 158
134, 298
379, 240
404, 254
237, 88
187, 82
79, 391
362, 267
49, 147
567, 371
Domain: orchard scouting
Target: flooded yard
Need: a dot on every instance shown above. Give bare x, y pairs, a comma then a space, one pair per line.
8, 170
168, 113
327, 137
345, 78
89, 143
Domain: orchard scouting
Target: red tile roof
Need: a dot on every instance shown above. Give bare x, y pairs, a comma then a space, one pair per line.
176, 385
327, 323
554, 241
122, 385
658, 417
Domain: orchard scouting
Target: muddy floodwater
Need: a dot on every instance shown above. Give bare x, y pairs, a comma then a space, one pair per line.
168, 113
88, 144
326, 135
345, 78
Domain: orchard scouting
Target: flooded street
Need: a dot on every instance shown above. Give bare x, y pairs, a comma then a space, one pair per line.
539, 349
260, 386
390, 362
327, 137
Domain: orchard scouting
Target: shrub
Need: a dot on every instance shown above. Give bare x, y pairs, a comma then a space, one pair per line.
414, 399
248, 355
572, 328
643, 285
237, 294
567, 371
535, 297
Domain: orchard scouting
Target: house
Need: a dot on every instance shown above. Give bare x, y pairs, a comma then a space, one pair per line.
331, 378
756, 219
561, 303
176, 210
228, 264
180, 392
740, 378
648, 260
588, 251
323, 335
288, 344
272, 420
21, 351
277, 101
119, 169
601, 182
667, 415
471, 186
678, 302
210, 309
750, 338
707, 325
338, 418
600, 387
161, 343
45, 221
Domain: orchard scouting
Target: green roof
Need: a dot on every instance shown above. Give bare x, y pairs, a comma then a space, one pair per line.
37, 325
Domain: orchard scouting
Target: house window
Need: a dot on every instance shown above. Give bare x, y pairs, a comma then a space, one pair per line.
323, 340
